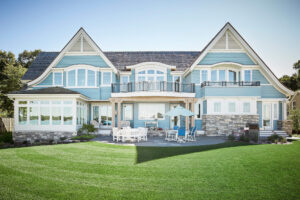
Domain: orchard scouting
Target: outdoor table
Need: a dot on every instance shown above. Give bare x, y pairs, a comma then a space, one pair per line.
171, 135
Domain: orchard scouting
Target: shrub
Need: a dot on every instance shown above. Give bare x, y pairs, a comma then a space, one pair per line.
84, 137
276, 138
6, 137
295, 117
231, 137
86, 128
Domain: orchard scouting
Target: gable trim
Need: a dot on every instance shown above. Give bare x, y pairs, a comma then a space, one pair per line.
62, 53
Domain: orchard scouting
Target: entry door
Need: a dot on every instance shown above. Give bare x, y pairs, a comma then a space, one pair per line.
267, 116
174, 121
103, 114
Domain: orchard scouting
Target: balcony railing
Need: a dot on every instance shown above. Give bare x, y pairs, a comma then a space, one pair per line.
145, 86
228, 83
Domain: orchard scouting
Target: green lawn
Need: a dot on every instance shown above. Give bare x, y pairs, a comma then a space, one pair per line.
93, 170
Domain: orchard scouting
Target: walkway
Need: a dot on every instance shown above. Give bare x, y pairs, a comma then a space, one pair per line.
160, 141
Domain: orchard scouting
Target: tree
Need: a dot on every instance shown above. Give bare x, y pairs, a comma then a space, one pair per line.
291, 82
11, 74
27, 57
297, 67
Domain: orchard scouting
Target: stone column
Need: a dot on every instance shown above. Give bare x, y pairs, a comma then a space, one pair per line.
119, 114
113, 120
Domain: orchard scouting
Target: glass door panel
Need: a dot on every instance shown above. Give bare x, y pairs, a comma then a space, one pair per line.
267, 116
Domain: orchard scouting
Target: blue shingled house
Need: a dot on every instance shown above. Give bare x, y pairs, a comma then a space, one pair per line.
226, 85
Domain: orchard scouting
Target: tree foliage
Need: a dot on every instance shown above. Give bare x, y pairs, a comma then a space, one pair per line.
27, 57
292, 82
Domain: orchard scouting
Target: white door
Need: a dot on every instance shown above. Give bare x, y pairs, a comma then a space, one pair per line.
103, 114
174, 121
267, 116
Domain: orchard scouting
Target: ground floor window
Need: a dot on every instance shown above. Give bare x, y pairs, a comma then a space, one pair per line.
127, 111
103, 114
151, 111
81, 110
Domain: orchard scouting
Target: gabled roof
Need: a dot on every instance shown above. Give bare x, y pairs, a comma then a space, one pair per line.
181, 59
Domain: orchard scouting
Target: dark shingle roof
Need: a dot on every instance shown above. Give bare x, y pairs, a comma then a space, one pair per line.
39, 65
49, 90
180, 59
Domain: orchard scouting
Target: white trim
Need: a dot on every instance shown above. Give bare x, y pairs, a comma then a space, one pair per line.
66, 49
46, 96
157, 64
123, 114
147, 67
157, 94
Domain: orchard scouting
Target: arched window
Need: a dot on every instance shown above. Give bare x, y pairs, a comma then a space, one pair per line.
151, 75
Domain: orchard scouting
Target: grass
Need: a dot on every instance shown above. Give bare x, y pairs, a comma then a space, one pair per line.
94, 170
84, 137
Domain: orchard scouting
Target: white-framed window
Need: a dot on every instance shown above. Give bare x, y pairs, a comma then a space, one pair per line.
45, 112
275, 111
247, 75
81, 113
246, 107
222, 75
106, 78
198, 110
57, 78
124, 79
81, 77
217, 107
151, 75
127, 112
231, 107
204, 75
213, 76
151, 111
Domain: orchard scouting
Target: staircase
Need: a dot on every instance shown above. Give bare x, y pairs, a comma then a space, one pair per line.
267, 133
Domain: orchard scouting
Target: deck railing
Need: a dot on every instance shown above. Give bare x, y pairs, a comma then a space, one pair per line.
228, 83
160, 86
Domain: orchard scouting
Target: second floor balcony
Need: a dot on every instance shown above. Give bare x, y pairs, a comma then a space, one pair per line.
146, 86
228, 83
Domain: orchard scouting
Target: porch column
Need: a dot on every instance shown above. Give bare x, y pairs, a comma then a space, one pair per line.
186, 118
193, 110
113, 113
119, 114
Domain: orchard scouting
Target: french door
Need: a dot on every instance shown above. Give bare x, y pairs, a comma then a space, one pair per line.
267, 116
102, 114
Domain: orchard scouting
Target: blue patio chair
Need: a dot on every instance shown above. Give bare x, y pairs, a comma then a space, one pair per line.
181, 137
175, 127
191, 136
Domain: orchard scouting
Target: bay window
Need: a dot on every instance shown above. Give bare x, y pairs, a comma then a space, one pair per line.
151, 75
71, 78
91, 78
214, 75
222, 76
45, 115
34, 115
81, 78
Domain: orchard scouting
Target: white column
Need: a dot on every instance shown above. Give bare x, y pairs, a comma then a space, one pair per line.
284, 114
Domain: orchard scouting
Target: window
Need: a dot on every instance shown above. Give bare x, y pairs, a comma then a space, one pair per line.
71, 78
246, 107
232, 76
58, 80
247, 77
127, 112
198, 110
56, 115
150, 75
91, 78
96, 113
204, 75
151, 111
22, 115
34, 115
217, 107
214, 75
45, 115
81, 77
231, 107
124, 79
275, 112
68, 116
222, 76
106, 78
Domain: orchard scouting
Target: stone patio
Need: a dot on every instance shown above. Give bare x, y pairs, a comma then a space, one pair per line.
161, 142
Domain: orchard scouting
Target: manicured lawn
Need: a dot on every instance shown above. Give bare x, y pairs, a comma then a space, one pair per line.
100, 171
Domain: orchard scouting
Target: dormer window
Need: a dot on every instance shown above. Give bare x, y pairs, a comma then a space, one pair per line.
151, 75
81, 78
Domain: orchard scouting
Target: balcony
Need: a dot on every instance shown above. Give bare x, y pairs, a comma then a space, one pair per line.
228, 83
145, 86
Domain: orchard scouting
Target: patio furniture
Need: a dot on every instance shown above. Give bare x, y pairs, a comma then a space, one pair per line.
151, 124
124, 124
191, 136
96, 125
181, 136
143, 133
171, 135
116, 134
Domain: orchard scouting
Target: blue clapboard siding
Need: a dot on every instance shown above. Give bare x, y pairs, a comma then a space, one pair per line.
232, 91
195, 77
105, 93
259, 112
214, 58
92, 93
96, 61
141, 123
198, 91
132, 76
205, 107
257, 76
65, 79
48, 80
169, 77
269, 91
198, 124
188, 78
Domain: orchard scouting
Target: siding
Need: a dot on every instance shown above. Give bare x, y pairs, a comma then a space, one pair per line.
195, 77
48, 80
214, 58
259, 112
257, 76
269, 91
132, 76
231, 91
205, 107
198, 124
96, 61
93, 93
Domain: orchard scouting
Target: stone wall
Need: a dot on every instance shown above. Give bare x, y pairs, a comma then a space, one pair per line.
41, 136
226, 124
285, 125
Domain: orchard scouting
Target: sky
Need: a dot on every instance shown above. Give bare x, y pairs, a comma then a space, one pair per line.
271, 27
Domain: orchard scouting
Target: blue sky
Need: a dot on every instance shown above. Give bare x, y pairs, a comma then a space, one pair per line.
271, 27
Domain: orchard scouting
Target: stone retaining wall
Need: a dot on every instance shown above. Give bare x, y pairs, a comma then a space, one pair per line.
285, 125
226, 124
41, 136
